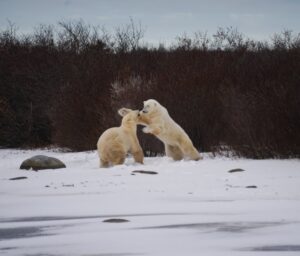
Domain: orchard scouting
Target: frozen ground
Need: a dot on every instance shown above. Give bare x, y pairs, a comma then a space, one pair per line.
188, 208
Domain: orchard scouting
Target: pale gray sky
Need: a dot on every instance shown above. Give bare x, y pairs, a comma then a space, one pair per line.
163, 20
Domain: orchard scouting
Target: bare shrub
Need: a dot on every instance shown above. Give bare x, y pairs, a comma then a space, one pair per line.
286, 40
63, 85
128, 38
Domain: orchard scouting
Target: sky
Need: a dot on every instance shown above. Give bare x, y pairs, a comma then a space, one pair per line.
162, 20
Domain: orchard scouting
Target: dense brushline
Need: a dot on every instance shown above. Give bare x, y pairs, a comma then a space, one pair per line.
63, 86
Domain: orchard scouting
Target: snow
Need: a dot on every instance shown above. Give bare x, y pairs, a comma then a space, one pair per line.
188, 208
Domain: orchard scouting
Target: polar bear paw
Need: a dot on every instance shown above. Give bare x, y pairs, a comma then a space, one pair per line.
146, 129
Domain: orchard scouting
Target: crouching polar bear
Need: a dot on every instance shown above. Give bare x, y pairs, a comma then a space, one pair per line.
116, 142
158, 122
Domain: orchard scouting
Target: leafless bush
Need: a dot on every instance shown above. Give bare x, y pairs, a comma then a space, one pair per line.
43, 35
8, 36
286, 40
128, 38
64, 84
229, 39
200, 41
130, 92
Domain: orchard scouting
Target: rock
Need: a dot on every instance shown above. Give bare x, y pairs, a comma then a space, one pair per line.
18, 178
144, 172
236, 170
252, 186
115, 221
41, 162
68, 185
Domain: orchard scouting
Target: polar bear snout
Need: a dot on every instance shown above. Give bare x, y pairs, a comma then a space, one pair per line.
145, 110
141, 113
142, 118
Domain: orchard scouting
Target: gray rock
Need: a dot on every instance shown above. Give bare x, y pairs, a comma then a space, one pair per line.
252, 186
115, 220
41, 162
236, 170
18, 178
144, 172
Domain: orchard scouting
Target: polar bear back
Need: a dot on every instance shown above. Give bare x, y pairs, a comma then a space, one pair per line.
114, 138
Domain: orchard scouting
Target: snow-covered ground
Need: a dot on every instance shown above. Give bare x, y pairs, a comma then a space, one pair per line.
188, 208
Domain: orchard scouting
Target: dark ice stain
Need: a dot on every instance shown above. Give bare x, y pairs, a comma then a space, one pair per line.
114, 254
21, 232
231, 227
8, 248
276, 248
60, 218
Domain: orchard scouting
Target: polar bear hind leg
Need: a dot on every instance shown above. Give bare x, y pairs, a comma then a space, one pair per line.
174, 152
189, 150
117, 156
119, 159
103, 163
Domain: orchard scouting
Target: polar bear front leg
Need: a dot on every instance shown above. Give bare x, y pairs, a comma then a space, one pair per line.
146, 129
137, 151
138, 156
153, 129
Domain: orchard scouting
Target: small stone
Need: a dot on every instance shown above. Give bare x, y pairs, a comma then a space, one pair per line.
236, 170
115, 221
144, 172
18, 178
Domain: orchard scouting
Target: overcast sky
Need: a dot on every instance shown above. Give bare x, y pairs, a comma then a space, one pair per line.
162, 20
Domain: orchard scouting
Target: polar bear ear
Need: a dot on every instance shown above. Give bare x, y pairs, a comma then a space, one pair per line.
124, 111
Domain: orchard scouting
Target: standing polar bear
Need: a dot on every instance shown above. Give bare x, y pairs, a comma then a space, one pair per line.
177, 143
116, 142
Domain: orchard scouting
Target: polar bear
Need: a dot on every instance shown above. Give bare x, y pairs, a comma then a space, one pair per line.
116, 142
158, 122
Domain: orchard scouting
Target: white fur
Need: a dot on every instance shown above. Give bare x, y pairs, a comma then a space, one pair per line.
178, 145
116, 142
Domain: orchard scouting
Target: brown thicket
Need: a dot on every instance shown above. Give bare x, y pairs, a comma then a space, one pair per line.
64, 85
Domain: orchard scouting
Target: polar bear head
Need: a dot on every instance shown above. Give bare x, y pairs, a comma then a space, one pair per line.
152, 109
130, 117
150, 106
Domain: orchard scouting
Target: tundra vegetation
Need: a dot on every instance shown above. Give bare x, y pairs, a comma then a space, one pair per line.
62, 85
